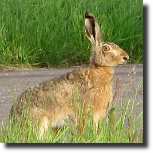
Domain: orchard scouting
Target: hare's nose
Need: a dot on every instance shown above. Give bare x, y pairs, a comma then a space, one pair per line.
125, 58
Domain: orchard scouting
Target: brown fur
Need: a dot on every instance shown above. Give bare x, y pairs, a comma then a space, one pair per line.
56, 100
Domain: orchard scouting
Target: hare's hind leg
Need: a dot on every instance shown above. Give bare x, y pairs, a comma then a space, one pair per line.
44, 126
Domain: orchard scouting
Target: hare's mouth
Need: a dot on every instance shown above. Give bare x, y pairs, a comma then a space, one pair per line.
122, 63
119, 65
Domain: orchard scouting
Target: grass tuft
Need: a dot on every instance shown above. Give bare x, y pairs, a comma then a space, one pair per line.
121, 126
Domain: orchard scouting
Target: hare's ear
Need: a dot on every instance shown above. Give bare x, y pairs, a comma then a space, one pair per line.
93, 30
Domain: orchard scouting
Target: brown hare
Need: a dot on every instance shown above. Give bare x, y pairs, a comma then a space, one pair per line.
54, 101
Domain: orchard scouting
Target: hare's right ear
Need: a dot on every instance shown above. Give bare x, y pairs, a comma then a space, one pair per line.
93, 30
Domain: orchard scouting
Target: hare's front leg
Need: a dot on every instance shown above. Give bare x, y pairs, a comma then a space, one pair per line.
96, 118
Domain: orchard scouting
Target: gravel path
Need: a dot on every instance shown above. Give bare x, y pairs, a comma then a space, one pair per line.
14, 82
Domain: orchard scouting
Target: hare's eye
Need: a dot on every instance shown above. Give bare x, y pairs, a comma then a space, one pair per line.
106, 48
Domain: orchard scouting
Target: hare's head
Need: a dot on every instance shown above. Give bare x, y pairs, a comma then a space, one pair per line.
103, 53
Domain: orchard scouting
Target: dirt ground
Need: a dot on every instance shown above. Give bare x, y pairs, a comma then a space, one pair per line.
14, 82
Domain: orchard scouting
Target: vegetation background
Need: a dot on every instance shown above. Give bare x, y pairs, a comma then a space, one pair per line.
50, 33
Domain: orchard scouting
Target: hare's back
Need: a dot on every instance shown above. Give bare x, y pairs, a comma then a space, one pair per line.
55, 92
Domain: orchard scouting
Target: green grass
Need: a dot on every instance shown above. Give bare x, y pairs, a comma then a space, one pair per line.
51, 33
112, 130
121, 126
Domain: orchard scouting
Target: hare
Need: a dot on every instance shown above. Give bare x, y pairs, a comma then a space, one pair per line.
54, 101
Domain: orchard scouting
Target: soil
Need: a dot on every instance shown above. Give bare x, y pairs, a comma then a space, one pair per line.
14, 82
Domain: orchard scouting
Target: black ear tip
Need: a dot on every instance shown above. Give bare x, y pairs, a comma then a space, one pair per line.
87, 15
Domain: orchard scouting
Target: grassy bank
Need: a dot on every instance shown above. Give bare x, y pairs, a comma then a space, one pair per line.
51, 33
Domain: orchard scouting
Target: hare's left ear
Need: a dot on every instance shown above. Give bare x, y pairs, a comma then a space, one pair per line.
93, 30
